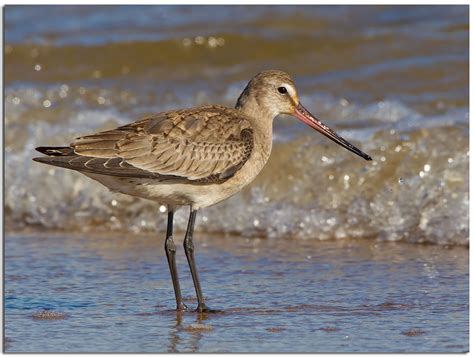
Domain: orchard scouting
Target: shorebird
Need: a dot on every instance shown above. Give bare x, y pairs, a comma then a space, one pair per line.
191, 157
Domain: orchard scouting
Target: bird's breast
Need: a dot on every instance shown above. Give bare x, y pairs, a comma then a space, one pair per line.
250, 170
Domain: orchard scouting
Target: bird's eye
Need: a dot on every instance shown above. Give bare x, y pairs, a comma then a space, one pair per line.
282, 90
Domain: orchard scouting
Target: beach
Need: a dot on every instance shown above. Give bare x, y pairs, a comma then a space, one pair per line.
113, 293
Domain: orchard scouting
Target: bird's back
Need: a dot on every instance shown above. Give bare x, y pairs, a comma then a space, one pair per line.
204, 145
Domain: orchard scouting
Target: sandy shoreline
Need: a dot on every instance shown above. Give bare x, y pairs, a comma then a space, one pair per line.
224, 237
90, 291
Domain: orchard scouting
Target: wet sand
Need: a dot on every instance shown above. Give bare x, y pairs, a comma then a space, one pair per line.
112, 293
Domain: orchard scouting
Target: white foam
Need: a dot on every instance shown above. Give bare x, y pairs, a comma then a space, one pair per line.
298, 194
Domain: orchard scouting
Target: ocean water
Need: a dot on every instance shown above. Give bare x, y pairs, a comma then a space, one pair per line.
391, 79
394, 80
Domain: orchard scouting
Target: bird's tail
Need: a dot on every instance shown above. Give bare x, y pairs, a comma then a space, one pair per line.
56, 150
56, 156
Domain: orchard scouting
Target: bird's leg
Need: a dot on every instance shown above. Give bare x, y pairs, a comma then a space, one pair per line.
189, 250
170, 249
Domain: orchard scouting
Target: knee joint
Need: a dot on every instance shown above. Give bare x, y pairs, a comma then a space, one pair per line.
188, 245
169, 245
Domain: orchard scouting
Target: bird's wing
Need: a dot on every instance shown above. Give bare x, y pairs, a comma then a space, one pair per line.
98, 165
210, 142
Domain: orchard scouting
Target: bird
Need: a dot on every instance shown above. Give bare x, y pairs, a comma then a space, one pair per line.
193, 157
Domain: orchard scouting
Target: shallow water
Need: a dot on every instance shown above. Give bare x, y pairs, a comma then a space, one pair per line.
112, 293
391, 79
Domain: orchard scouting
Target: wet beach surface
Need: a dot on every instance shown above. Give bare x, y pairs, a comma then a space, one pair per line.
112, 293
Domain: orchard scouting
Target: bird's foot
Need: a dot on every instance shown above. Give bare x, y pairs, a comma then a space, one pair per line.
204, 309
182, 307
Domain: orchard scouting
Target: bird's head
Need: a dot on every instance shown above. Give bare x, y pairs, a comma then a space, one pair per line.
271, 93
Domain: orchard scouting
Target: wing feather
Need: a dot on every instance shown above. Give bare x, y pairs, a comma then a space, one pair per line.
196, 144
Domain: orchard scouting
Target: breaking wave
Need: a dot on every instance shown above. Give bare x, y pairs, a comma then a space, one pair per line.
415, 189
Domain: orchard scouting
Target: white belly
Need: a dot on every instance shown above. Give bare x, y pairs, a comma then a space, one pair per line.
175, 194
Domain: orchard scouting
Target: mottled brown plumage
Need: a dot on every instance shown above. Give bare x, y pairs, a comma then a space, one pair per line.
205, 144
170, 156
194, 157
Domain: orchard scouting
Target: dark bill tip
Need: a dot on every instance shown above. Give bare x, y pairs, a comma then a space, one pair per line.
305, 116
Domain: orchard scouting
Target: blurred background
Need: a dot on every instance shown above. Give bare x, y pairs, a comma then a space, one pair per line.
391, 79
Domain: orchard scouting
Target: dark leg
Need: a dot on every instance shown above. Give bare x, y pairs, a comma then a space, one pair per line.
170, 249
189, 250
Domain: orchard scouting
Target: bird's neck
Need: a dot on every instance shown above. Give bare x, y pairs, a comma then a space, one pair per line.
262, 124
261, 118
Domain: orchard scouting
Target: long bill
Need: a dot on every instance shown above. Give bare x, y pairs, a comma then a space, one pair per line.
306, 117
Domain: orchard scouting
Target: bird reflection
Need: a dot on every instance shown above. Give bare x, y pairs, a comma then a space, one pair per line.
186, 338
